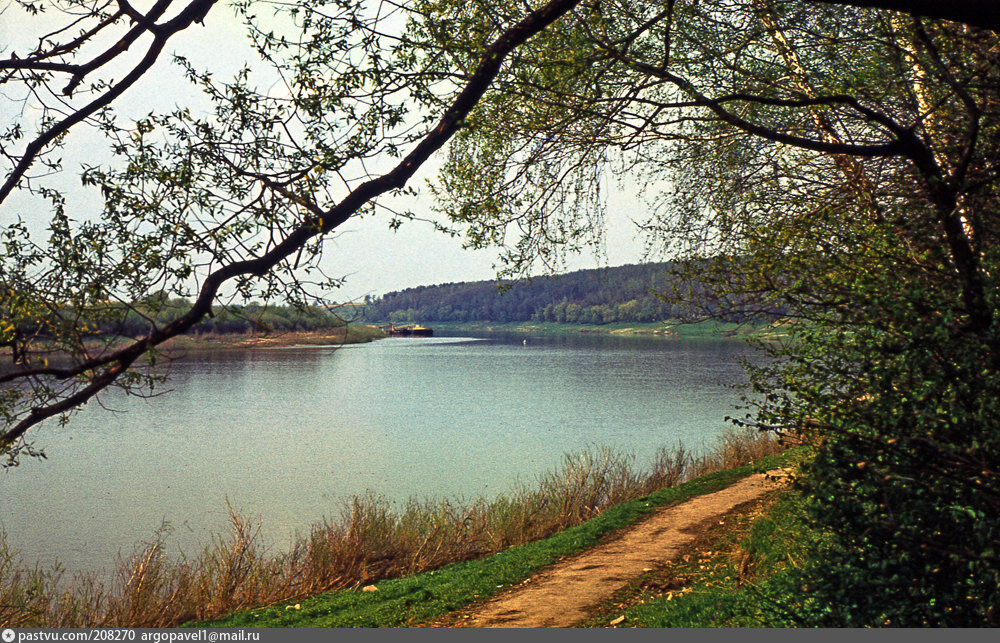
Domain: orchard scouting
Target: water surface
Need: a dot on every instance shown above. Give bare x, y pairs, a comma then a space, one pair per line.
286, 435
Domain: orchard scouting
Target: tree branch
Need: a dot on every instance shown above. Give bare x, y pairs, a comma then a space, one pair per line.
893, 148
194, 12
984, 14
118, 361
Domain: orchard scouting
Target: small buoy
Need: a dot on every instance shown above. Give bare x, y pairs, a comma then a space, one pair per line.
525, 342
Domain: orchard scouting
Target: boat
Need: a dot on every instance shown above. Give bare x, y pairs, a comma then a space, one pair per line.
410, 330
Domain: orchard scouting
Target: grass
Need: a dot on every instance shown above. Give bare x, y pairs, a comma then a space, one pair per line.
734, 576
449, 542
421, 597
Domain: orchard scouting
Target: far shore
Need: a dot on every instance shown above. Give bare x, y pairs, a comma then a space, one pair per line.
665, 330
351, 334
360, 333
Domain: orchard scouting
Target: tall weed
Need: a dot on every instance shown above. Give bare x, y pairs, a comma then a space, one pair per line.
371, 540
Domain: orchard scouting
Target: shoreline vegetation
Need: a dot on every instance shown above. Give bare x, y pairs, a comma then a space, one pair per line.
668, 330
345, 335
112, 327
373, 541
362, 332
212, 341
356, 333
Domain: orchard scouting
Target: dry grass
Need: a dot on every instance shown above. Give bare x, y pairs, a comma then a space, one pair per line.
736, 448
369, 542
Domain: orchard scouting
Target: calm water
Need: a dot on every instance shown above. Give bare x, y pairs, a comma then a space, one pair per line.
285, 435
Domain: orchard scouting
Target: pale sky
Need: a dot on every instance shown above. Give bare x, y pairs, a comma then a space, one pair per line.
374, 259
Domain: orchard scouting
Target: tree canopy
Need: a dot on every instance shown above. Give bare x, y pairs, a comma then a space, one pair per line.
836, 164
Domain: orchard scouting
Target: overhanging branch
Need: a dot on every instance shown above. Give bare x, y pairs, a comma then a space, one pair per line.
115, 363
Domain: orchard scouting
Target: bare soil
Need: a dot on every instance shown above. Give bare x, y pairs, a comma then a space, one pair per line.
565, 593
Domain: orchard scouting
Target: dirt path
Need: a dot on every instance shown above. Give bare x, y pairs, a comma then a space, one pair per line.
561, 595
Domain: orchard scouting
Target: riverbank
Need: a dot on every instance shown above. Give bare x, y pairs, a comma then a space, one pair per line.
340, 336
350, 334
563, 594
666, 330
460, 592
374, 542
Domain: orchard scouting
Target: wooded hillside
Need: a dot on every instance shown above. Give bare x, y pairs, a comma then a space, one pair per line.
631, 293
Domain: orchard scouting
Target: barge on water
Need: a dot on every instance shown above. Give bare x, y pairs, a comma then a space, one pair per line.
410, 330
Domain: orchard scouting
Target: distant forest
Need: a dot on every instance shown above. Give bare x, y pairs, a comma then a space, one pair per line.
599, 296
224, 320
159, 310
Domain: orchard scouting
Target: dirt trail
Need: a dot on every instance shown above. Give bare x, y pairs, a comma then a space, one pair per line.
561, 595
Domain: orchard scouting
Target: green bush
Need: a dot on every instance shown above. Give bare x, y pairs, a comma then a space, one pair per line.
901, 392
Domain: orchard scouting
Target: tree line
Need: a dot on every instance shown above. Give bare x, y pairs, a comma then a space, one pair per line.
111, 322
634, 293
255, 317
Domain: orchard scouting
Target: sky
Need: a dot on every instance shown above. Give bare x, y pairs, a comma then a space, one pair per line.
377, 260
371, 257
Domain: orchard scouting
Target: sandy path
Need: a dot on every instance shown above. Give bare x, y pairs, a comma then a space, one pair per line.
561, 595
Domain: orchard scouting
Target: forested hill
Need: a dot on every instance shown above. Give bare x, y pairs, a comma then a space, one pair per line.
599, 296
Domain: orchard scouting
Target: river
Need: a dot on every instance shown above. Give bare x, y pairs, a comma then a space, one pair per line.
286, 435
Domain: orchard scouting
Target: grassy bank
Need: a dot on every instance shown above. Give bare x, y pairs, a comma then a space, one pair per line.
416, 599
449, 541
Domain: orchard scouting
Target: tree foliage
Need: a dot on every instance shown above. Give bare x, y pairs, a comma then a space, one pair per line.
838, 164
